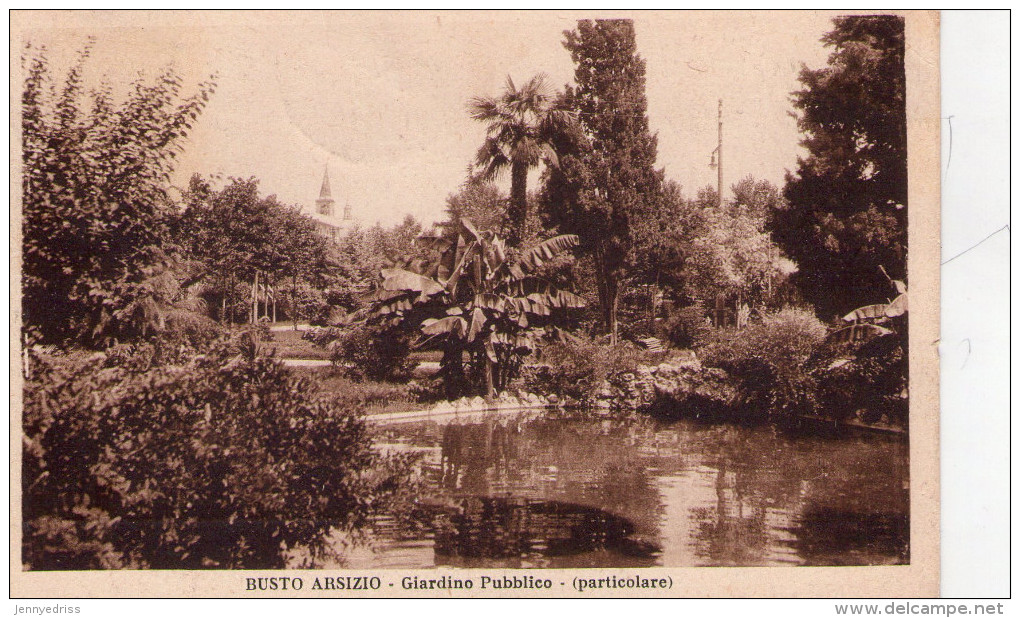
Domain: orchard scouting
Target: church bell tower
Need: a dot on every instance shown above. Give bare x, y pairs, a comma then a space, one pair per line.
324, 205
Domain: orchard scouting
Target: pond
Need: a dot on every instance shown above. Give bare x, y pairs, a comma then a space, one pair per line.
532, 491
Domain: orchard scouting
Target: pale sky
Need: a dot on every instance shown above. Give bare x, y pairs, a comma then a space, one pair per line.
382, 97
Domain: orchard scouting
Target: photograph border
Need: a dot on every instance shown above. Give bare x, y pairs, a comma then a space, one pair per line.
920, 578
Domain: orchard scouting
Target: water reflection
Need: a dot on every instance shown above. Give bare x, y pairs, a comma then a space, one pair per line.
533, 492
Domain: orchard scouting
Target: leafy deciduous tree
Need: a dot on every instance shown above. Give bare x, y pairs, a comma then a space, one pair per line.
95, 174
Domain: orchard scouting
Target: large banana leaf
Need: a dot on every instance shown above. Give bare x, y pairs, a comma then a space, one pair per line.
393, 306
493, 302
450, 325
477, 323
534, 307
522, 342
472, 232
494, 255
897, 307
516, 315
382, 295
533, 258
466, 252
434, 243
400, 279
558, 299
868, 312
857, 332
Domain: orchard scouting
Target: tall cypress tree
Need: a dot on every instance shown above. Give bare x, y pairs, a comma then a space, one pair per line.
606, 177
846, 218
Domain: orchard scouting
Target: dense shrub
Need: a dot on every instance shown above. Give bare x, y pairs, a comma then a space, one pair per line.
767, 359
319, 306
686, 327
185, 335
867, 377
222, 463
322, 336
367, 352
579, 366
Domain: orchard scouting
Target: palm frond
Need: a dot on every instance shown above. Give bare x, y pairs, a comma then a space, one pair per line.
547, 153
483, 108
478, 320
897, 307
525, 150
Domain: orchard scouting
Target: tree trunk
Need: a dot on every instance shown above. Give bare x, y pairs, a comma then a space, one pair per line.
490, 387
255, 298
452, 367
603, 292
608, 295
274, 303
518, 211
230, 298
293, 301
613, 312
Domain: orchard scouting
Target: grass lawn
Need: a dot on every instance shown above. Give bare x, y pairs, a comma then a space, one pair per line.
376, 397
288, 344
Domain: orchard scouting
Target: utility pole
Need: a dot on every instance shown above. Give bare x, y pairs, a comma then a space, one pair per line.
720, 185
717, 161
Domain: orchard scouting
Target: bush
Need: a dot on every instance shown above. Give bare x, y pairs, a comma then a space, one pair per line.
867, 376
687, 327
218, 464
367, 352
185, 335
95, 199
768, 358
578, 367
322, 336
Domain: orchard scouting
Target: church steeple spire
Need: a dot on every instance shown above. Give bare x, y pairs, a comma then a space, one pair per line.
324, 204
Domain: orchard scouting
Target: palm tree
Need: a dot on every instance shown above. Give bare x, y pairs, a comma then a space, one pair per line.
520, 127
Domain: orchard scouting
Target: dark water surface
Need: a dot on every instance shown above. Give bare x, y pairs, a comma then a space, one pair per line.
527, 491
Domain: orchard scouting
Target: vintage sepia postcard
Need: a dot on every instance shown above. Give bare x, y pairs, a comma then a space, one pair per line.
474, 304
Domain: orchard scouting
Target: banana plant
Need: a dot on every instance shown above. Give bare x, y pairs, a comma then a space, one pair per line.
475, 299
865, 322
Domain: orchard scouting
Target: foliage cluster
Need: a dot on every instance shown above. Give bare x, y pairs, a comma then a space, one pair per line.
369, 395
366, 351
847, 200
521, 125
687, 327
606, 177
473, 298
699, 251
578, 366
98, 258
767, 360
239, 237
867, 376
220, 463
